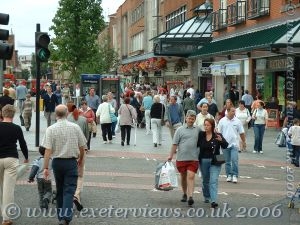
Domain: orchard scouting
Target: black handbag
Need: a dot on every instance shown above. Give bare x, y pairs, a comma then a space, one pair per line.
218, 159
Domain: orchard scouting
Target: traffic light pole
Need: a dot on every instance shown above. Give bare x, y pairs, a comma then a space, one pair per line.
38, 92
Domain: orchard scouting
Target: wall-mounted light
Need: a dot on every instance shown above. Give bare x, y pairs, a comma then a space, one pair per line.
249, 54
229, 57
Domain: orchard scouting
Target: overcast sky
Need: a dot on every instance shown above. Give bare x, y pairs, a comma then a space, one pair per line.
25, 14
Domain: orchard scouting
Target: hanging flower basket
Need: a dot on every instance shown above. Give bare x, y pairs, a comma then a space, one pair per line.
180, 65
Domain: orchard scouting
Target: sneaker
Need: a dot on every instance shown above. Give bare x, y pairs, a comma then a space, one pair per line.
254, 151
234, 179
184, 198
155, 145
206, 201
94, 134
104, 142
228, 179
190, 201
114, 136
110, 142
122, 143
261, 152
214, 205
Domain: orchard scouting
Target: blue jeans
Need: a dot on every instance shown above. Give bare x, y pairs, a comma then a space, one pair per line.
231, 156
113, 127
259, 130
66, 174
210, 178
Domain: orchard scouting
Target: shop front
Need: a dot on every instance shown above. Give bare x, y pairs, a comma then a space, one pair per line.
229, 74
270, 80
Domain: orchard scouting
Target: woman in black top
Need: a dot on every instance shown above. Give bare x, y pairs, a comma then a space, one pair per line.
210, 143
10, 133
157, 112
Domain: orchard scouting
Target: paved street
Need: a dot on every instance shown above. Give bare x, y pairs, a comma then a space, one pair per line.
121, 178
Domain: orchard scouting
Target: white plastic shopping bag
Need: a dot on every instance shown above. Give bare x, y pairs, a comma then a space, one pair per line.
118, 128
168, 177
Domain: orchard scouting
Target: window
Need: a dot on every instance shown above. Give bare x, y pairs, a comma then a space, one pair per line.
175, 18
137, 42
223, 12
137, 13
258, 8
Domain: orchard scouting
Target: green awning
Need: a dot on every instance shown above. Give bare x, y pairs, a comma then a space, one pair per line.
253, 39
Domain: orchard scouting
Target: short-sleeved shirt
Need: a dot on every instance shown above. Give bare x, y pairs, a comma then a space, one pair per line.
231, 130
186, 139
64, 138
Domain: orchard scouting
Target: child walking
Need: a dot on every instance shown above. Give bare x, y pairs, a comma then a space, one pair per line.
294, 133
44, 186
28, 106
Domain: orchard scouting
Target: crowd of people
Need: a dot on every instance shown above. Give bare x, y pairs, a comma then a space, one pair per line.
198, 129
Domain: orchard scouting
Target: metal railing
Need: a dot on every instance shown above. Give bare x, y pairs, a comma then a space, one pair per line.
236, 13
258, 8
219, 19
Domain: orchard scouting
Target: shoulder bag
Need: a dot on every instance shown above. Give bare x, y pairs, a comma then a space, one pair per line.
112, 115
130, 114
217, 159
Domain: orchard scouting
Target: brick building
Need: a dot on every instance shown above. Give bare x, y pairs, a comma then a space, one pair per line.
139, 28
256, 47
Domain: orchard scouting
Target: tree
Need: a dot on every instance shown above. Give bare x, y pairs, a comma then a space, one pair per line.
77, 24
105, 59
25, 74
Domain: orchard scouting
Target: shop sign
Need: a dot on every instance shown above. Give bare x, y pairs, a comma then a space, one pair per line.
216, 70
279, 64
233, 69
261, 64
205, 70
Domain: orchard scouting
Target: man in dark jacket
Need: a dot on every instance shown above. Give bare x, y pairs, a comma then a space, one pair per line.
50, 102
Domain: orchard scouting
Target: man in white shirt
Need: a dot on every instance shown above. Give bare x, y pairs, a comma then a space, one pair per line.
191, 90
231, 128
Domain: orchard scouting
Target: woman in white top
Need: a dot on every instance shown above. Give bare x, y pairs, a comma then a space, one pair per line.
260, 116
203, 115
243, 114
103, 112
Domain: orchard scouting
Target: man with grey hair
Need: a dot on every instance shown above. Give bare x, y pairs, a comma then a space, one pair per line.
65, 141
187, 162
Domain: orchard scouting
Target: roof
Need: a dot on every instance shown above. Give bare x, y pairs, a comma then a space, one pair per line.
195, 27
252, 39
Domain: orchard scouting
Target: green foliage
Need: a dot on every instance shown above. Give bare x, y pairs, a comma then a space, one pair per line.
76, 26
25, 74
104, 60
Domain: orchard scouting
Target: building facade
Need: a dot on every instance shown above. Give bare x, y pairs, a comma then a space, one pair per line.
255, 47
137, 29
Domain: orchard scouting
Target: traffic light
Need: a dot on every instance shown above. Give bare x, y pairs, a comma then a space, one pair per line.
42, 41
6, 50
